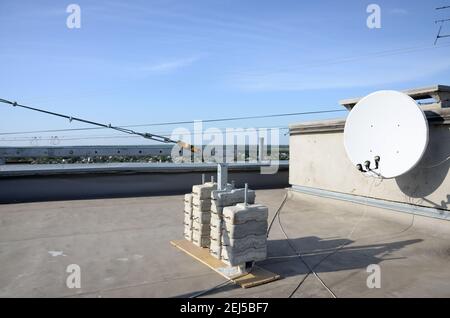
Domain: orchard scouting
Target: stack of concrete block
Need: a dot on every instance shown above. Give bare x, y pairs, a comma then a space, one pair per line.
188, 216
220, 200
229, 197
201, 213
244, 234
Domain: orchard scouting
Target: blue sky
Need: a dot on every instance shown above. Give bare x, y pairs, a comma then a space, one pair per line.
138, 62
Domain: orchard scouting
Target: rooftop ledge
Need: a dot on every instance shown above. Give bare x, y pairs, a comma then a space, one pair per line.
435, 117
437, 112
440, 94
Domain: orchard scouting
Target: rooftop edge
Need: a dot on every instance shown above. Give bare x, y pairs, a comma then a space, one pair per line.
440, 93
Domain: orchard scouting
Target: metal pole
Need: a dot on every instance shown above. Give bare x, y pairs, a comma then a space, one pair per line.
222, 176
246, 194
261, 149
203, 178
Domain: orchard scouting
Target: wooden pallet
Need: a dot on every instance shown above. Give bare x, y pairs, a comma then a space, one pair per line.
258, 275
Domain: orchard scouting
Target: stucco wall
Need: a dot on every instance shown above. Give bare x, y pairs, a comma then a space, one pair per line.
318, 160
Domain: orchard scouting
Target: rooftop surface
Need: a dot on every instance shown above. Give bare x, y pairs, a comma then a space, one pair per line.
122, 247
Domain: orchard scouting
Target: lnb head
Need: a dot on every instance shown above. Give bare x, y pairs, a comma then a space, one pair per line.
360, 167
367, 164
377, 161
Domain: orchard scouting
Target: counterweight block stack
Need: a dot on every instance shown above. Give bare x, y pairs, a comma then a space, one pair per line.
201, 213
221, 200
188, 216
227, 222
244, 234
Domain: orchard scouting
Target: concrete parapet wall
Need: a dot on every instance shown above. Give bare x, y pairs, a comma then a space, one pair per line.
318, 160
31, 183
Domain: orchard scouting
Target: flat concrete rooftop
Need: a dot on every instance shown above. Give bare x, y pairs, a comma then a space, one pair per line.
122, 247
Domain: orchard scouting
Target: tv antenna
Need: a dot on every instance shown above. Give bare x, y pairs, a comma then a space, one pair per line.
386, 134
146, 135
441, 23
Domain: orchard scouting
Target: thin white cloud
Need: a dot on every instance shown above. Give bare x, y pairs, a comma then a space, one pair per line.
169, 66
362, 74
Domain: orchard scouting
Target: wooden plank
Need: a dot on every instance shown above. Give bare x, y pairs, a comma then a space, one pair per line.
256, 277
200, 254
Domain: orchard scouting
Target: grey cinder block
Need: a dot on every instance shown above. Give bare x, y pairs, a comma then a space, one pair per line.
188, 233
203, 191
216, 209
188, 198
215, 248
202, 205
188, 220
216, 228
187, 207
216, 221
199, 240
248, 242
203, 228
245, 229
232, 258
201, 217
241, 213
232, 197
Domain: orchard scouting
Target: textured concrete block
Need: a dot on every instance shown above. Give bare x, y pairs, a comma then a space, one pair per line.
216, 234
221, 199
187, 220
216, 228
215, 248
216, 220
188, 236
233, 258
188, 233
232, 197
199, 240
188, 198
201, 205
203, 228
242, 230
215, 192
243, 244
216, 209
242, 213
203, 191
201, 217
188, 208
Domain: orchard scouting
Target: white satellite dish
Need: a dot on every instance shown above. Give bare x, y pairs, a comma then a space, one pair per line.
388, 131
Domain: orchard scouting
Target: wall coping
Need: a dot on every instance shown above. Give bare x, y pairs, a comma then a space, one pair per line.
440, 93
435, 116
